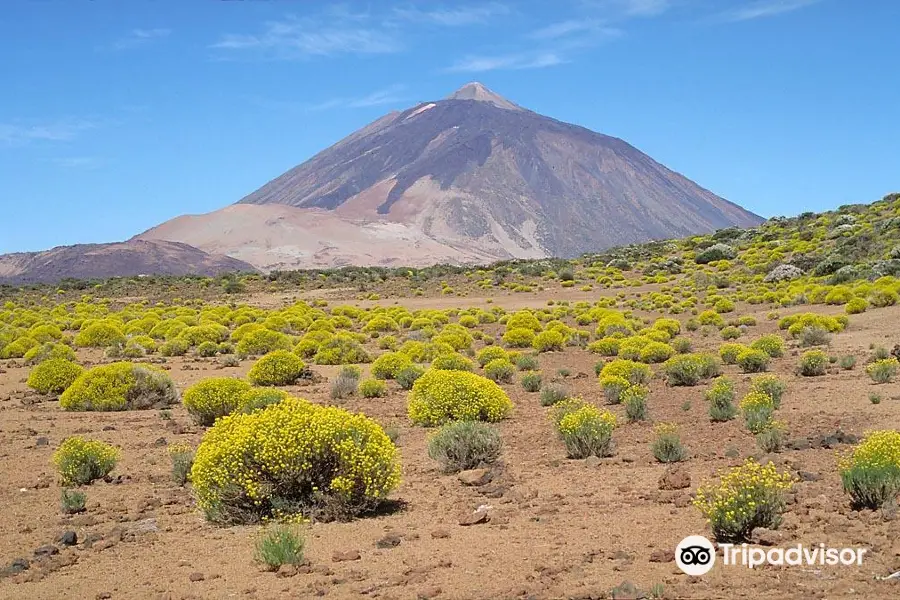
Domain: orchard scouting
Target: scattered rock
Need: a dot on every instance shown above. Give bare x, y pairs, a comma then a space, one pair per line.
682, 501
15, 567
808, 476
160, 442
440, 534
675, 478
626, 591
198, 576
766, 537
392, 540
479, 516
48, 550
428, 593
345, 556
286, 571
662, 556
476, 477
104, 596
108, 428
68, 538
592, 462
42, 441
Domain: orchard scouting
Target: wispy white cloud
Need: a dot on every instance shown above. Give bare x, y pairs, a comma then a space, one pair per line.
453, 17
140, 37
516, 61
388, 95
573, 27
765, 8
295, 38
79, 162
623, 9
19, 133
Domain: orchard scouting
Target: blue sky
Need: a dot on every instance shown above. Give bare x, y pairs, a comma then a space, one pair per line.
115, 116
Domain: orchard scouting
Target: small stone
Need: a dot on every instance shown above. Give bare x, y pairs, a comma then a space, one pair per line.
104, 544
48, 550
42, 441
109, 428
345, 556
626, 591
429, 593
766, 537
682, 501
675, 478
68, 538
440, 534
592, 462
474, 518
475, 477
104, 596
160, 442
391, 540
196, 576
808, 476
15, 567
286, 571
662, 556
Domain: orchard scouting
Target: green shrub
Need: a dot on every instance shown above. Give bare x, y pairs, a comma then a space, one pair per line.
682, 345
344, 386
53, 376
554, 393
847, 362
341, 349
463, 445
439, 396
80, 461
870, 472
883, 371
813, 363
182, 457
291, 458
120, 386
747, 497
752, 361
408, 376
527, 362
667, 447
584, 429
72, 502
207, 349
176, 347
500, 370
758, 408
635, 400
279, 367
814, 336
730, 351
280, 544
690, 369
771, 439
49, 351
531, 381
209, 399
519, 338
730, 333
372, 388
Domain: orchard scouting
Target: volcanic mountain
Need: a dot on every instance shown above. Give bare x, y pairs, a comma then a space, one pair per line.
120, 259
470, 178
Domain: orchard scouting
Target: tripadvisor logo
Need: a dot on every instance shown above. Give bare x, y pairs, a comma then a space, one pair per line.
696, 555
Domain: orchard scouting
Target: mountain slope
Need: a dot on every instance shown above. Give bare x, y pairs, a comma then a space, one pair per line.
100, 261
474, 173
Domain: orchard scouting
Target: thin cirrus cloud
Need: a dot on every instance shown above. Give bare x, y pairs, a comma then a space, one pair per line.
515, 61
140, 37
453, 17
572, 27
765, 8
388, 95
17, 133
79, 162
294, 38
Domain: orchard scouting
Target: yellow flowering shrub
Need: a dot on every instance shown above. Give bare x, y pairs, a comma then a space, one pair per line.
53, 376
813, 363
757, 407
870, 472
656, 352
341, 349
491, 353
293, 458
613, 387
48, 351
748, 496
584, 429
729, 351
519, 337
262, 341
372, 388
216, 397
18, 347
389, 364
883, 370
633, 372
607, 346
549, 340
752, 361
772, 345
100, 334
80, 461
439, 396
452, 361
690, 369
120, 386
280, 367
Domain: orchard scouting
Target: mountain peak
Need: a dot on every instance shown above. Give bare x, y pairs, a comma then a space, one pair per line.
478, 91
